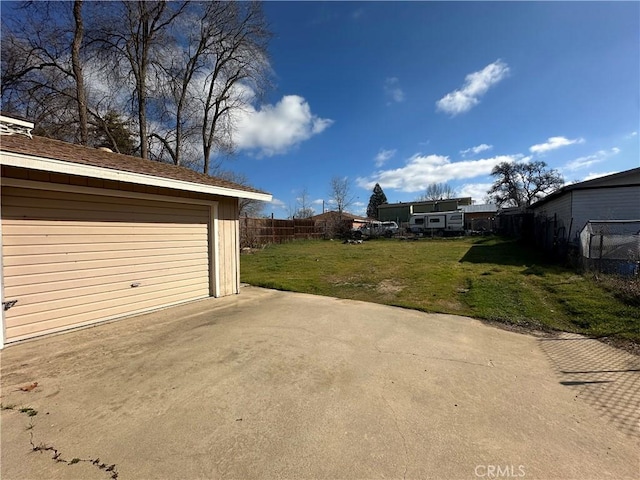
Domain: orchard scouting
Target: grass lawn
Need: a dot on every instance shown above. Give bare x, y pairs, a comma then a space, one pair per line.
486, 278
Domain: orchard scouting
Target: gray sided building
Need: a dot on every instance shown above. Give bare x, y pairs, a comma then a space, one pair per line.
402, 211
561, 216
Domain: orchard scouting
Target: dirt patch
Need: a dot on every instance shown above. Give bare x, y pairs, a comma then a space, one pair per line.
350, 282
388, 287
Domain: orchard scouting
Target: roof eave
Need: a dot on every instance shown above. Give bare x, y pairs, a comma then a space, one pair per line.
102, 173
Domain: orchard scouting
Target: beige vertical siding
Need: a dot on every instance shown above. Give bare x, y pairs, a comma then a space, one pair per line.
71, 259
229, 246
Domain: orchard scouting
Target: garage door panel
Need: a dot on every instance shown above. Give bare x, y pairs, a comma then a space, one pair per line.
67, 288
59, 307
126, 272
120, 202
41, 323
83, 239
101, 264
79, 211
98, 228
70, 259
28, 250
101, 207
105, 276
116, 255
77, 288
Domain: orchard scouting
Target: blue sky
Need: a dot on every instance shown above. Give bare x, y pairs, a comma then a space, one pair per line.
410, 93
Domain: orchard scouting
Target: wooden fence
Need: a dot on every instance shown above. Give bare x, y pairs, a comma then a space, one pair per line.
255, 232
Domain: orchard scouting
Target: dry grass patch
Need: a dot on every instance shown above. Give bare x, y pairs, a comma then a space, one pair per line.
389, 287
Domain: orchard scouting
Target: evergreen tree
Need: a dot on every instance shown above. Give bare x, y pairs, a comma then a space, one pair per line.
377, 198
113, 132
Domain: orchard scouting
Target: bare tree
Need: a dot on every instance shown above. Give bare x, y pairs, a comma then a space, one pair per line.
42, 67
220, 70
45, 60
341, 194
521, 184
303, 206
182, 66
137, 32
240, 60
180, 73
78, 76
438, 191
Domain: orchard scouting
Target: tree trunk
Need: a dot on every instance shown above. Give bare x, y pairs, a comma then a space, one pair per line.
77, 72
142, 86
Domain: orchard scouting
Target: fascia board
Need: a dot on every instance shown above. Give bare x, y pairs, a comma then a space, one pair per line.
92, 171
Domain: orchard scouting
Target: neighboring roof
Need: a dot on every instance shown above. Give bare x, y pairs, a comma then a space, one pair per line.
45, 154
466, 200
484, 208
345, 215
628, 178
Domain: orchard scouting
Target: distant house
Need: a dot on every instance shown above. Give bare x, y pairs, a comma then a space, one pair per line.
560, 216
332, 221
402, 211
89, 235
480, 217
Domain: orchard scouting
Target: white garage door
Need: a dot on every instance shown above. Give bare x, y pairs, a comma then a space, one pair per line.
71, 259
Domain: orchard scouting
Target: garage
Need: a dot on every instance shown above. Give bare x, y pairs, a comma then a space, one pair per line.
84, 242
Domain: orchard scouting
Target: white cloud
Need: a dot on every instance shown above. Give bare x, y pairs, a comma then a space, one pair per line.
475, 86
278, 203
477, 191
589, 160
421, 170
553, 143
276, 128
317, 201
591, 176
383, 156
393, 90
477, 149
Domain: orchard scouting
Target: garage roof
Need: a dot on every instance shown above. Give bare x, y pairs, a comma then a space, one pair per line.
626, 178
40, 153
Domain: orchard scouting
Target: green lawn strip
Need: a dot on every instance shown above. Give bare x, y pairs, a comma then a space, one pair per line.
592, 309
487, 278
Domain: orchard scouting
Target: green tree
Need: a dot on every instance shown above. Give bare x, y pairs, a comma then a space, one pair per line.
112, 131
377, 198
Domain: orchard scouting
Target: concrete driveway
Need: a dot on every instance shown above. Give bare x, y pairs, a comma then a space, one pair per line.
270, 384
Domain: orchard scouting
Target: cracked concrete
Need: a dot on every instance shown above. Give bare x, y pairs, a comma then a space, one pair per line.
279, 385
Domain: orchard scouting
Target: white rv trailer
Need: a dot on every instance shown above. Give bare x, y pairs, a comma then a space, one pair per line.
437, 223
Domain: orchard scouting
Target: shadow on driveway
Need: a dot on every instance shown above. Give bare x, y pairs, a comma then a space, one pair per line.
606, 378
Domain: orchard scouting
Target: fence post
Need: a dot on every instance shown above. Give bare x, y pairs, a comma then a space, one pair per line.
601, 242
273, 230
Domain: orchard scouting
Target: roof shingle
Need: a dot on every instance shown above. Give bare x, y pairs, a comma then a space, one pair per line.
57, 150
